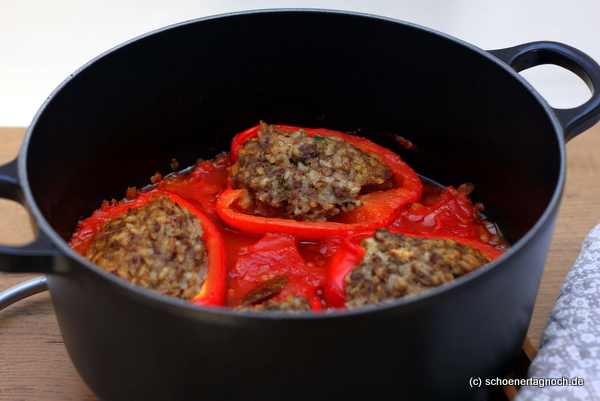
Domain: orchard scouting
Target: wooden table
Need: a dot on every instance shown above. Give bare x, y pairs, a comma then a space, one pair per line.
34, 364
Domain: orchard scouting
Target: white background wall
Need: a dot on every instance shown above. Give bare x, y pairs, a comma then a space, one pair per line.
43, 41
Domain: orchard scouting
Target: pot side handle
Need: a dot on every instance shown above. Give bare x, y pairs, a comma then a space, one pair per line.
39, 256
575, 120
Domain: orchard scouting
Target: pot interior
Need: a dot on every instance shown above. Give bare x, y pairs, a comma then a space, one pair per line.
183, 93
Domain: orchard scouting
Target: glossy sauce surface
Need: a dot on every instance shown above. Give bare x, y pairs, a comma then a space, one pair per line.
288, 260
253, 258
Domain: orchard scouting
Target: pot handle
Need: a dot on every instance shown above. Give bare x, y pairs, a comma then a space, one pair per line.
575, 120
39, 256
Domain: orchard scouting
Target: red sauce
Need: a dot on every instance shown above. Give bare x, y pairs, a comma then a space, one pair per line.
253, 259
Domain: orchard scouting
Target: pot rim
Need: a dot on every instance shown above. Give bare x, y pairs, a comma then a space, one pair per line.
183, 307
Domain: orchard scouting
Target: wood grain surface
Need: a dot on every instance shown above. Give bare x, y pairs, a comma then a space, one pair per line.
34, 364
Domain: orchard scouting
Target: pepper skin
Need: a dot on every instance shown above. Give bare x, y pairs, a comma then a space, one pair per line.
214, 289
379, 207
277, 255
350, 253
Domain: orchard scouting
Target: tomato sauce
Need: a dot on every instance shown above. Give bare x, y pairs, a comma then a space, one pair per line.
253, 258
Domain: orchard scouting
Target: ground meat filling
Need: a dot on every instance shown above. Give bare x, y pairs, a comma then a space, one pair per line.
396, 265
288, 174
156, 246
261, 298
292, 303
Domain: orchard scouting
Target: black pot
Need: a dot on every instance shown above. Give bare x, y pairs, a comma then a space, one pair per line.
183, 92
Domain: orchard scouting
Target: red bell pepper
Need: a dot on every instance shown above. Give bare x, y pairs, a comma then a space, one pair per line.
214, 288
447, 212
350, 253
276, 255
379, 207
202, 184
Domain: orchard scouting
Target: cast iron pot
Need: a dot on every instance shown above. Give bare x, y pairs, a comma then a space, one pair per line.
184, 91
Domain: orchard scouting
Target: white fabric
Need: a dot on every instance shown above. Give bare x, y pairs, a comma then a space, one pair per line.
570, 345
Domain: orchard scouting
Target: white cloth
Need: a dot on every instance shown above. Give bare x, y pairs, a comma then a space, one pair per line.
570, 345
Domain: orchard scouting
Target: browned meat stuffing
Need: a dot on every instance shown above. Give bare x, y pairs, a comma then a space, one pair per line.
288, 174
260, 298
156, 246
292, 303
396, 265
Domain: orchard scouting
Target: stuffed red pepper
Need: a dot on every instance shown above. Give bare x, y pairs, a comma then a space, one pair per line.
313, 183
159, 241
381, 265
